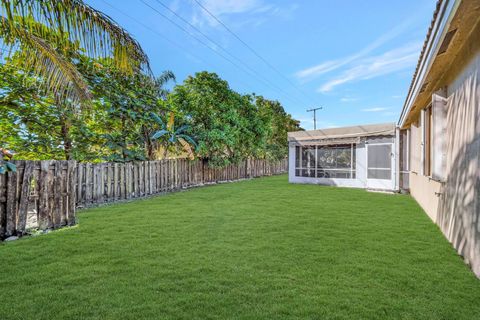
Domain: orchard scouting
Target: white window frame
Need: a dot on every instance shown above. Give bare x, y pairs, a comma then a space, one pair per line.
439, 134
422, 142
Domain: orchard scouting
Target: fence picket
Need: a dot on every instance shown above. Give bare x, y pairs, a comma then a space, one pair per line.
24, 194
56, 188
11, 207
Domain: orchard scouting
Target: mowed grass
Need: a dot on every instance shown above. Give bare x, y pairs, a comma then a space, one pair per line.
259, 249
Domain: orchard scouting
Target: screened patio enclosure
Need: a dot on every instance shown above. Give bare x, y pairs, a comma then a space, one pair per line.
359, 156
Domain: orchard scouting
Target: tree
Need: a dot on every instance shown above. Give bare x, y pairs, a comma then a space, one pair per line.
148, 128
43, 34
116, 126
42, 31
228, 126
279, 124
30, 122
173, 138
211, 109
121, 110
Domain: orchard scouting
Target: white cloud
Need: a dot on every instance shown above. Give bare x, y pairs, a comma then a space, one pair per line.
371, 67
322, 68
348, 99
327, 66
378, 109
222, 8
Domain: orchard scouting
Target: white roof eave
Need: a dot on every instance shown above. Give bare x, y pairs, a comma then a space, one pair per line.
440, 29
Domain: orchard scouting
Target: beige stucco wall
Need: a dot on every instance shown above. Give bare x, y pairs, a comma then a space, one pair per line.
426, 192
456, 209
459, 210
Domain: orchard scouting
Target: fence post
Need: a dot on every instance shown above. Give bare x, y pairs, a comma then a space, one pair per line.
44, 208
71, 192
24, 196
3, 200
11, 208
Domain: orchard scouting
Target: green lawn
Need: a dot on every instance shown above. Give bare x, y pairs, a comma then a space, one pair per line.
259, 249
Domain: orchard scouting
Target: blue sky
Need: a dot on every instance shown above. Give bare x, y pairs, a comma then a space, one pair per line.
354, 58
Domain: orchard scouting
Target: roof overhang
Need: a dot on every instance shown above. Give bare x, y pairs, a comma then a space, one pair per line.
343, 135
444, 13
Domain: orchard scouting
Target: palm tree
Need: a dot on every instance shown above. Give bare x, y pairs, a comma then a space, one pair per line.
173, 137
161, 81
43, 31
162, 93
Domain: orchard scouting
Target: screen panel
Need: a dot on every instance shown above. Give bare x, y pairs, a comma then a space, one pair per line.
379, 162
379, 156
330, 162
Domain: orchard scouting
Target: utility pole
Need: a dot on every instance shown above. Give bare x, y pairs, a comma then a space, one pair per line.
315, 116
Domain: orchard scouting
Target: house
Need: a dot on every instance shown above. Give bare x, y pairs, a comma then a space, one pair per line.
440, 127
358, 156
435, 149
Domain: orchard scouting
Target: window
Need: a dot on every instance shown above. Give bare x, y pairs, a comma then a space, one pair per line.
427, 140
439, 128
404, 155
334, 161
415, 161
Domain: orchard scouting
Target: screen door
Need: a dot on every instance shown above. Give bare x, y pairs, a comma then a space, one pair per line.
380, 164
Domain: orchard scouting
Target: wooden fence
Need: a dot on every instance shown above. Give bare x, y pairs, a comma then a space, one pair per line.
41, 194
44, 194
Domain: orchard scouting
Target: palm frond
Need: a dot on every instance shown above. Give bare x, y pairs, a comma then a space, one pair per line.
159, 134
187, 148
60, 75
157, 119
182, 129
98, 34
165, 77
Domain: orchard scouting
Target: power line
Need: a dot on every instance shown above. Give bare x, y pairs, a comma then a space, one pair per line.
250, 48
246, 70
214, 50
173, 43
266, 80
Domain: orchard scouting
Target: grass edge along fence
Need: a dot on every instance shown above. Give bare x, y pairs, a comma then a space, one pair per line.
44, 195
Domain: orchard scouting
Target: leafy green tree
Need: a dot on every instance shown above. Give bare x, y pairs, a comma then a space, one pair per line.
43, 35
31, 124
279, 124
172, 137
122, 108
159, 87
211, 109
228, 126
116, 126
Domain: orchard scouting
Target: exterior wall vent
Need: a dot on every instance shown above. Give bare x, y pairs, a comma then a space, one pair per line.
446, 41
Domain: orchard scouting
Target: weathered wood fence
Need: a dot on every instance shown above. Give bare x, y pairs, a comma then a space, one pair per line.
44, 194
41, 194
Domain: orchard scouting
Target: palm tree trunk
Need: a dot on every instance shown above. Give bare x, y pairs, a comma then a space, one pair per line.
65, 132
148, 144
165, 153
